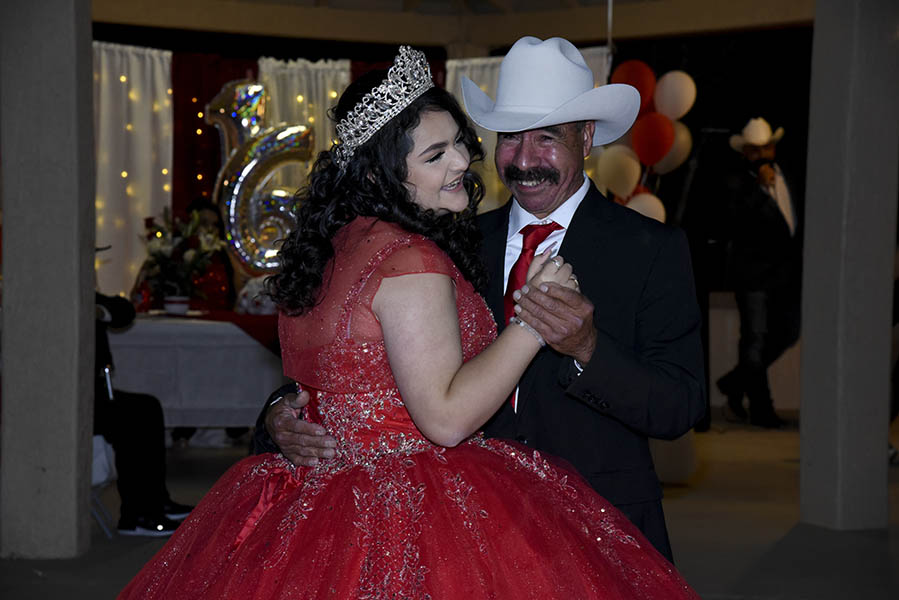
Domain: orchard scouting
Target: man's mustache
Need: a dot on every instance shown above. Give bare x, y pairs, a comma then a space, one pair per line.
513, 173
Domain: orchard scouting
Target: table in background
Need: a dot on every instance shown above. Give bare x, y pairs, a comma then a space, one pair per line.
205, 373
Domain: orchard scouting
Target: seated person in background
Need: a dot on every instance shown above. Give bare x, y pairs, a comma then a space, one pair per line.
215, 286
133, 424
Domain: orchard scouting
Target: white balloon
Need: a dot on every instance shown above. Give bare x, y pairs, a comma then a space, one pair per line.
680, 150
648, 206
618, 170
675, 94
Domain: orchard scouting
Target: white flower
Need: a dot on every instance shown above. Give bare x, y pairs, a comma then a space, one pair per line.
190, 255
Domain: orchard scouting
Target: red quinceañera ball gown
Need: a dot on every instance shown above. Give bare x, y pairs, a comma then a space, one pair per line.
393, 515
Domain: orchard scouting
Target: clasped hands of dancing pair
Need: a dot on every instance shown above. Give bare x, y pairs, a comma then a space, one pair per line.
546, 268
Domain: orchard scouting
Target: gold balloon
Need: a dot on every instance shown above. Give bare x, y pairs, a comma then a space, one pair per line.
680, 150
618, 170
256, 212
675, 94
648, 206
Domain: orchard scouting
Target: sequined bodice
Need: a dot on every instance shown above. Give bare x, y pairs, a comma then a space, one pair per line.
337, 348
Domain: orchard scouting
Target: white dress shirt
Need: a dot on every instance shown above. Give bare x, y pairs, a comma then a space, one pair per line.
519, 217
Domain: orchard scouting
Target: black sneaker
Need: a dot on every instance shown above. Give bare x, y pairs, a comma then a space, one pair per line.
147, 526
733, 411
175, 511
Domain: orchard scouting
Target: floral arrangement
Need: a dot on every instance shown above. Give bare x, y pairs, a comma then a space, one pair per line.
178, 252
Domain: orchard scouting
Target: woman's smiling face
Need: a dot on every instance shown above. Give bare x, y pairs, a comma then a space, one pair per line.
437, 164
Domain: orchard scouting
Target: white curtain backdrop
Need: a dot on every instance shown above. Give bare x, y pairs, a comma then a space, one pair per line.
485, 73
133, 136
301, 92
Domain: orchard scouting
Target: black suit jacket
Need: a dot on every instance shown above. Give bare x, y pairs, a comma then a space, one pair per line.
764, 253
645, 378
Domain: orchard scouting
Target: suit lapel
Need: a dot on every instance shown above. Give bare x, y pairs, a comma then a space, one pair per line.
494, 227
583, 239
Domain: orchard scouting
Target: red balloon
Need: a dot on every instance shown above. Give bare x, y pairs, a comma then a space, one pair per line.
638, 74
652, 137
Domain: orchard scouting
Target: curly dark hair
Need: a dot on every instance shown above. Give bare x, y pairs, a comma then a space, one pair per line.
372, 185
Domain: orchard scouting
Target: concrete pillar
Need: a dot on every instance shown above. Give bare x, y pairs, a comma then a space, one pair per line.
850, 238
46, 139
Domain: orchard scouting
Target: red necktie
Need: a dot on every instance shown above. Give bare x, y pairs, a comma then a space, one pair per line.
533, 237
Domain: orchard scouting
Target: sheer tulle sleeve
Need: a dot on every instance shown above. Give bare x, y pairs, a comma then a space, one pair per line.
417, 255
409, 256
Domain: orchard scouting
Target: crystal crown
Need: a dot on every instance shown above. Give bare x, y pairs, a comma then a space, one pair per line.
407, 79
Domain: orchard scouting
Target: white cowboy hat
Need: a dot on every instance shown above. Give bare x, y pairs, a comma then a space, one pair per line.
543, 83
758, 133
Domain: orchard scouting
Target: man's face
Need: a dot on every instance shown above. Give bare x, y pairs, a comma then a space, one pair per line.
756, 153
544, 167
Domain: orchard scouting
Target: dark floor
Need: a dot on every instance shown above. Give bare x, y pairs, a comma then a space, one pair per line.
734, 527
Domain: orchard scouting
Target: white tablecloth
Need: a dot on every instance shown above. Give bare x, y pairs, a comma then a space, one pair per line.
205, 373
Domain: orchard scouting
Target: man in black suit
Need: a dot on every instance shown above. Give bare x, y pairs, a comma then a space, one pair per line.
133, 424
766, 270
624, 358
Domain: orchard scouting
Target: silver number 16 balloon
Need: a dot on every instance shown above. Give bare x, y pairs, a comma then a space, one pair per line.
256, 213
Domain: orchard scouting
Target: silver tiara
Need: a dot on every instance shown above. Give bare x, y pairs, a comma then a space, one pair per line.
407, 79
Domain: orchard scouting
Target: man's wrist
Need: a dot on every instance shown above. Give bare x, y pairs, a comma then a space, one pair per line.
281, 393
583, 358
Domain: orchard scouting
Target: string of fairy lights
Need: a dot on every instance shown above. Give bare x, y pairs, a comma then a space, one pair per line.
135, 172
134, 131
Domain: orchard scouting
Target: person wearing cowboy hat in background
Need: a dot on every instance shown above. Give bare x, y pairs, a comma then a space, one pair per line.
766, 271
624, 358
